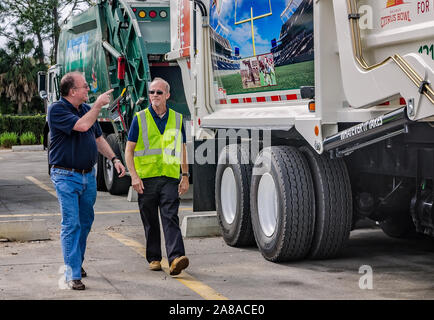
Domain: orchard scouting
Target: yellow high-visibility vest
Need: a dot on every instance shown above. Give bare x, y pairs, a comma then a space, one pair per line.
158, 154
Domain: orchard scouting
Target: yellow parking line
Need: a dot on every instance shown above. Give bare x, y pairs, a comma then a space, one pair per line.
42, 185
186, 279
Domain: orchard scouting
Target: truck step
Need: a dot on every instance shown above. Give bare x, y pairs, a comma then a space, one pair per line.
367, 133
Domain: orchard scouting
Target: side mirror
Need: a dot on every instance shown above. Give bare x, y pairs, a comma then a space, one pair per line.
43, 94
42, 84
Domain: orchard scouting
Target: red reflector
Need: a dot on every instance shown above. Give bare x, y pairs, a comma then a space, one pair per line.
121, 68
134, 9
152, 14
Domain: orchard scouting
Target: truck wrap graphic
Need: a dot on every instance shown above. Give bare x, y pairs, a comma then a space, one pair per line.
261, 45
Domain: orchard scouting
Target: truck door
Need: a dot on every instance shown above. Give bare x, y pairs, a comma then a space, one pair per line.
53, 81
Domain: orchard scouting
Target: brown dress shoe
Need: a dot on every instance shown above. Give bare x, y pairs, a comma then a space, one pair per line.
76, 285
83, 273
155, 265
178, 265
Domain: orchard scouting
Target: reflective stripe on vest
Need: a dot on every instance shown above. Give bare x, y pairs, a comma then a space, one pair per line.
158, 154
148, 150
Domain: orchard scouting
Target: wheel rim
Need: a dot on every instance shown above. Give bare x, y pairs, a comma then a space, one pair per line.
109, 169
228, 193
267, 204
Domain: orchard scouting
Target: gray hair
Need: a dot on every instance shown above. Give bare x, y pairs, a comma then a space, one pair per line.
157, 79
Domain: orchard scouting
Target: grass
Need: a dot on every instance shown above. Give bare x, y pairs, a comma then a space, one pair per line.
8, 139
28, 138
291, 76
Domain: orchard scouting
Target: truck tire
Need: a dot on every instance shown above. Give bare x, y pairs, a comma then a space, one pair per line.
99, 171
114, 184
232, 195
333, 204
282, 204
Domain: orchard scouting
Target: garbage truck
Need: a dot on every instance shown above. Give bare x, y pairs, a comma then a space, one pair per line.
304, 116
119, 45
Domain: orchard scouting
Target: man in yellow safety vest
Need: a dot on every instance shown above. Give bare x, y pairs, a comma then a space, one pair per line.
154, 155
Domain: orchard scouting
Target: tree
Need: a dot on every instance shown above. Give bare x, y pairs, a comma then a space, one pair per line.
28, 16
40, 19
18, 83
29, 25
6, 106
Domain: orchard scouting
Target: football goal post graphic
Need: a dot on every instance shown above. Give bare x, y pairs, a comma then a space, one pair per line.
256, 6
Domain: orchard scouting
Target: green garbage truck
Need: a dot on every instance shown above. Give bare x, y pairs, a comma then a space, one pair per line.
119, 45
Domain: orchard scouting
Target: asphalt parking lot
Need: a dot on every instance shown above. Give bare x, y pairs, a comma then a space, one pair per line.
373, 266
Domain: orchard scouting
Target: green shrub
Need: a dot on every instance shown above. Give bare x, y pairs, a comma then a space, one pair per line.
28, 138
8, 139
21, 124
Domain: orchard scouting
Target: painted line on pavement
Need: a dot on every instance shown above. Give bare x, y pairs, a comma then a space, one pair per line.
42, 185
186, 279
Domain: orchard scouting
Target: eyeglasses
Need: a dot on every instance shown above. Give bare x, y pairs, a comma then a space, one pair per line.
157, 92
86, 86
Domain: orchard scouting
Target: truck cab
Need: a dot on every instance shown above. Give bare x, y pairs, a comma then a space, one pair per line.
48, 88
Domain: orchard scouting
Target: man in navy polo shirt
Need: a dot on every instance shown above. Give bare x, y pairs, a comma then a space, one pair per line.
76, 138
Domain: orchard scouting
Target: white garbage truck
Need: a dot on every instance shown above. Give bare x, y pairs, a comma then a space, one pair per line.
307, 116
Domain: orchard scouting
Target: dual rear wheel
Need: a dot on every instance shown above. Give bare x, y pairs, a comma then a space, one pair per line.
294, 203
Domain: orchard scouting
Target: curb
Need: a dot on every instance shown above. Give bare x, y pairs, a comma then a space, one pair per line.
39, 147
24, 230
203, 225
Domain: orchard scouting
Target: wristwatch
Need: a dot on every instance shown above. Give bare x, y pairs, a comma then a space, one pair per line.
186, 174
114, 159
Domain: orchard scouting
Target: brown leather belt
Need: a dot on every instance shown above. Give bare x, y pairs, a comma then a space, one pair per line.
82, 171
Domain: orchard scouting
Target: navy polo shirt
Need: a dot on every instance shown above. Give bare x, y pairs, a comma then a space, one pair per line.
133, 135
70, 148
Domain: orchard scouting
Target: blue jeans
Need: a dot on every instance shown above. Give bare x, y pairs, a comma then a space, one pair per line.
77, 194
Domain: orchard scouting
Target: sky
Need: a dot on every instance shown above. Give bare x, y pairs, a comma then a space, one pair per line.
3, 40
240, 35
